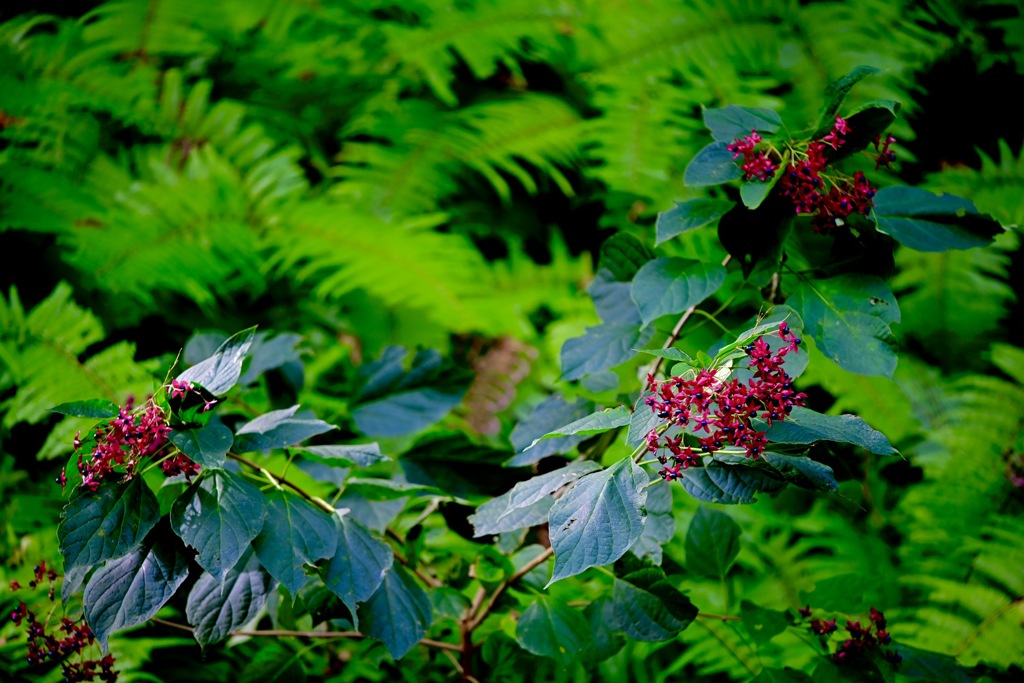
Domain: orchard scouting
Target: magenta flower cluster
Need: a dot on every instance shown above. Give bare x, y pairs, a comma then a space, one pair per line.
860, 640
757, 165
68, 639
722, 410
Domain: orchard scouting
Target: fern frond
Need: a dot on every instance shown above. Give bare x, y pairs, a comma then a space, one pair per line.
419, 153
143, 30
996, 188
41, 356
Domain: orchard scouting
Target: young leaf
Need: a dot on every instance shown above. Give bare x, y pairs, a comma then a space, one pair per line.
295, 533
359, 565
219, 515
849, 316
278, 429
731, 484
549, 414
924, 221
398, 614
96, 407
601, 348
712, 543
687, 216
356, 455
647, 607
221, 371
595, 423
728, 123
598, 519
804, 425
671, 285
550, 628
129, 590
836, 92
207, 445
107, 524
215, 608
713, 165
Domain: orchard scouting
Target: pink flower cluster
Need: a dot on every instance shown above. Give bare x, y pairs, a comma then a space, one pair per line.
70, 638
124, 442
723, 410
860, 640
756, 165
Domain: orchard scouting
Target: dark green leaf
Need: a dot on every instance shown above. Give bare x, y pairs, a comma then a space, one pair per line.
860, 670
273, 663
398, 614
728, 123
753, 192
296, 532
621, 256
923, 665
107, 524
660, 525
598, 519
550, 628
864, 126
96, 407
359, 565
849, 317
207, 445
356, 455
595, 423
506, 661
606, 641
836, 93
645, 606
601, 348
924, 221
671, 285
219, 516
803, 472
549, 414
713, 165
389, 489
268, 354
787, 675
712, 543
804, 426
687, 216
375, 515
278, 429
762, 624
128, 591
730, 484
216, 608
221, 371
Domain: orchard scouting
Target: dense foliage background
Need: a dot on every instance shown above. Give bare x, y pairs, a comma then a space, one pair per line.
353, 176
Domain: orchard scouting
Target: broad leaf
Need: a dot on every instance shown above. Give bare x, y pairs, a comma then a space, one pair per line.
356, 455
128, 591
207, 445
601, 348
712, 165
646, 606
642, 421
219, 515
924, 221
215, 608
804, 426
598, 519
606, 641
803, 471
728, 123
278, 429
295, 533
389, 489
671, 285
712, 543
621, 257
398, 614
549, 414
495, 517
106, 524
221, 371
836, 93
689, 215
595, 423
550, 628
849, 317
730, 484
359, 565
660, 525
529, 492
762, 624
96, 407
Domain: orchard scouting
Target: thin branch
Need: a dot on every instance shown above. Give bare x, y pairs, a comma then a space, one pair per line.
721, 617
322, 504
503, 586
427, 579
